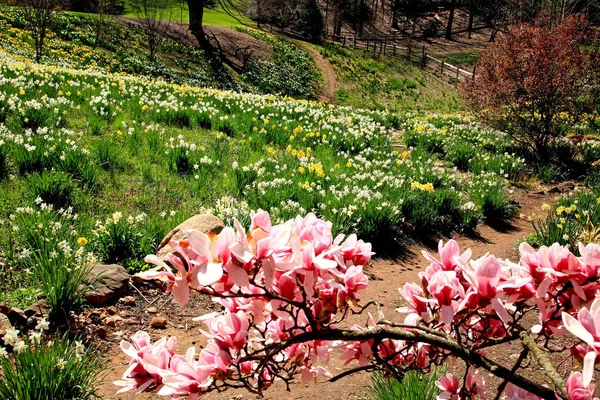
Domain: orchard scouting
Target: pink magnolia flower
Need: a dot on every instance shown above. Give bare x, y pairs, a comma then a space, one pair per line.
513, 392
449, 255
444, 286
578, 388
229, 331
149, 362
475, 384
590, 258
413, 293
188, 377
450, 386
587, 328
487, 282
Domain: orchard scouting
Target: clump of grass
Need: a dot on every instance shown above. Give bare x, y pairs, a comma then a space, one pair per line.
414, 386
47, 370
56, 188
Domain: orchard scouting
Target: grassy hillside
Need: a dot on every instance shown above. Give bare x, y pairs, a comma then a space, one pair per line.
123, 48
133, 156
212, 16
379, 82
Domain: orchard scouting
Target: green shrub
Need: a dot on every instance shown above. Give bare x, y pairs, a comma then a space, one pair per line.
61, 279
45, 245
56, 188
49, 370
127, 240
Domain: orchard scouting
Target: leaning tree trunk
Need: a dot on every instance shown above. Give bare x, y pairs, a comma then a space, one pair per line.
196, 14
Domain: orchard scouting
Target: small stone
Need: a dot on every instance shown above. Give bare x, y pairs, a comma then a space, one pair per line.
124, 313
158, 322
129, 300
112, 321
152, 310
101, 332
131, 321
112, 310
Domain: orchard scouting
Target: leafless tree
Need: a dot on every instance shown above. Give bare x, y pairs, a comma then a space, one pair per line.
154, 17
101, 20
39, 16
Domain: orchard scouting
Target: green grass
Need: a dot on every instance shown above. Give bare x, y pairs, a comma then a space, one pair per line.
212, 17
379, 82
467, 58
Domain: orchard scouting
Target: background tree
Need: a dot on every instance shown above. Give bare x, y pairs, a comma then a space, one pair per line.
154, 18
101, 20
536, 82
40, 16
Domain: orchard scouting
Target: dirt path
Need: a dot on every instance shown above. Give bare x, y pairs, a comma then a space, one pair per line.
385, 277
327, 94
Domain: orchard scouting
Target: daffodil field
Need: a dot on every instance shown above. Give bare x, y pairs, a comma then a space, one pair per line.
123, 159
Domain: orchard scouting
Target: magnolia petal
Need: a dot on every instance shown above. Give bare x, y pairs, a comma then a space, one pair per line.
238, 275
501, 310
575, 327
588, 367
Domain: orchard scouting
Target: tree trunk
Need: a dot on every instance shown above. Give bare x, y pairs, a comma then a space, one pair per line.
450, 20
196, 13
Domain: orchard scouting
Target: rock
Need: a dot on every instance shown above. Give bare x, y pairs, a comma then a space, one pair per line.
152, 310
109, 282
112, 310
129, 300
202, 222
4, 324
158, 322
131, 321
16, 316
101, 332
112, 321
40, 308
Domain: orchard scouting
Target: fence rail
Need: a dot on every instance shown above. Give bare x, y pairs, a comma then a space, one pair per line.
412, 54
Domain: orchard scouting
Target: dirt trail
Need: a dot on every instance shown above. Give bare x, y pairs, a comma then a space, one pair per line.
385, 276
327, 94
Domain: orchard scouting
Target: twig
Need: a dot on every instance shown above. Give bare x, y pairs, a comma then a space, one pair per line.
138, 290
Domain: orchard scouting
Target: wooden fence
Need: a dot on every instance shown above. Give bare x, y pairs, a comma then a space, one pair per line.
412, 54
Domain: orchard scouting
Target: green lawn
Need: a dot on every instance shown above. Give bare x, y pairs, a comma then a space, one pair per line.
212, 17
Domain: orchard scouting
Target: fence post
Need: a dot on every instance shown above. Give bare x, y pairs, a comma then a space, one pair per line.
442, 71
423, 58
344, 40
457, 72
474, 71
385, 48
374, 46
354, 39
394, 49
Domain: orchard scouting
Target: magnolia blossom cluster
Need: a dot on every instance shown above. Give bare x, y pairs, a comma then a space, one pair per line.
273, 282
479, 301
285, 289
